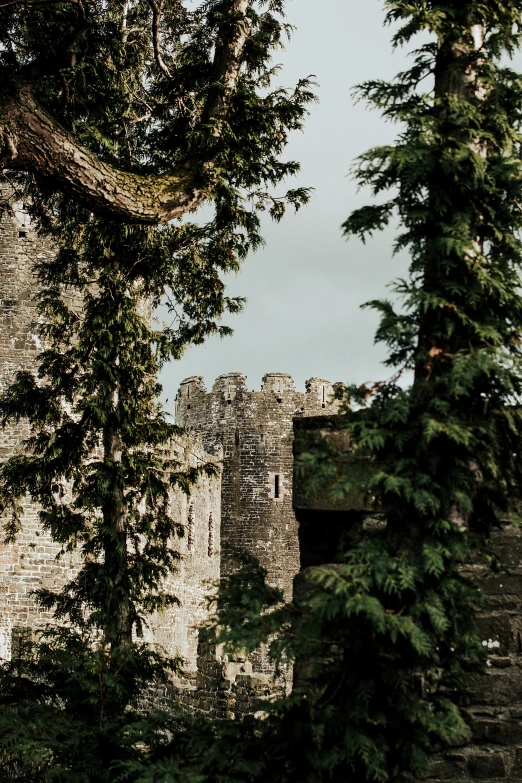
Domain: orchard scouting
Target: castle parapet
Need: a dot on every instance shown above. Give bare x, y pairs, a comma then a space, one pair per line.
230, 400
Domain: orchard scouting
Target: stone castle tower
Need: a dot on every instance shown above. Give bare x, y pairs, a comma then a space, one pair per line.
255, 504
254, 429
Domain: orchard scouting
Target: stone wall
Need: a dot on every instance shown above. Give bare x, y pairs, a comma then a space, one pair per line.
494, 752
31, 561
176, 629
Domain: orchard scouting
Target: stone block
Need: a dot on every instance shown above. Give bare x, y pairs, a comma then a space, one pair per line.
503, 584
500, 663
516, 769
506, 544
500, 688
452, 767
498, 628
485, 766
497, 732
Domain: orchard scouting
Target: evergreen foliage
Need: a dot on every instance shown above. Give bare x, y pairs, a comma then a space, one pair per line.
138, 85
78, 701
74, 709
439, 458
384, 639
99, 463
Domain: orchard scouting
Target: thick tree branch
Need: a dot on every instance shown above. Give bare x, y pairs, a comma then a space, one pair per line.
32, 140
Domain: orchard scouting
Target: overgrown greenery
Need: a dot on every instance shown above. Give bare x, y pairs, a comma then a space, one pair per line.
98, 460
170, 103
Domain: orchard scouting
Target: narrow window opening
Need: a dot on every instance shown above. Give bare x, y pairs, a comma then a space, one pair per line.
190, 531
188, 407
210, 534
22, 234
276, 486
236, 437
229, 402
324, 398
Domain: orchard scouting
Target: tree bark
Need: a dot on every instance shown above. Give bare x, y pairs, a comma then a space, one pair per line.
455, 78
115, 556
32, 140
452, 77
119, 620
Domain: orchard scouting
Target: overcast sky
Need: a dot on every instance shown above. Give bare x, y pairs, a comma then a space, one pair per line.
305, 288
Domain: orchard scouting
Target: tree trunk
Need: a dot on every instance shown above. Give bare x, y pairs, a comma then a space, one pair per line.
454, 78
114, 518
114, 510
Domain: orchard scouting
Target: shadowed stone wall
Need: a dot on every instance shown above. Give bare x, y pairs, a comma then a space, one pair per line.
494, 752
494, 712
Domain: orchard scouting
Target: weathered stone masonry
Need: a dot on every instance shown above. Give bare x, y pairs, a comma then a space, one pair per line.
30, 563
255, 431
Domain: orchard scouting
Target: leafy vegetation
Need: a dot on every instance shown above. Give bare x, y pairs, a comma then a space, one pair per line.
384, 639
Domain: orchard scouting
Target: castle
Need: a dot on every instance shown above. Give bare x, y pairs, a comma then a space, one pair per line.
252, 502
247, 504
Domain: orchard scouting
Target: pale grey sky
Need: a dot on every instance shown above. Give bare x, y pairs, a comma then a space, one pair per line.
304, 289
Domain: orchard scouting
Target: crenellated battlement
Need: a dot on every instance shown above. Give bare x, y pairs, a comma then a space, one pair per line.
230, 398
